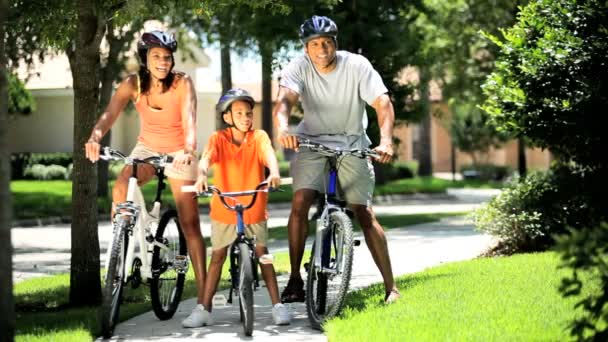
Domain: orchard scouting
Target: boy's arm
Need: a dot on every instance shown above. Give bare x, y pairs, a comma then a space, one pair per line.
201, 180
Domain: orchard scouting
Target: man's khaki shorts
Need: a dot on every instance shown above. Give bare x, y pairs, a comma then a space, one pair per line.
356, 177
189, 172
223, 234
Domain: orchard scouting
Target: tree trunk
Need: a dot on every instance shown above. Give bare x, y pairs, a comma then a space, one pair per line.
7, 304
226, 76
85, 285
425, 162
266, 52
521, 158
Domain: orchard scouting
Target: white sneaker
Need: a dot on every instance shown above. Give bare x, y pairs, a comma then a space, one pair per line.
198, 318
280, 314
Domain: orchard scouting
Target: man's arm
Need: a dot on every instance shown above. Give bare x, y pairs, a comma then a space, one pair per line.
386, 120
282, 110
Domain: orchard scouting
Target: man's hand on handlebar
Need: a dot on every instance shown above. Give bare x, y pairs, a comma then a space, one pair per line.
385, 150
287, 140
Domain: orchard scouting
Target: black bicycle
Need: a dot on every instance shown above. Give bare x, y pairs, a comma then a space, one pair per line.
161, 261
330, 265
243, 262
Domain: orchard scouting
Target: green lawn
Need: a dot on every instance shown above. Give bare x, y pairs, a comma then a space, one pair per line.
37, 199
44, 315
489, 299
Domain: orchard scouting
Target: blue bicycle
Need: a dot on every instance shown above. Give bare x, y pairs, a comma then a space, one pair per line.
330, 265
243, 263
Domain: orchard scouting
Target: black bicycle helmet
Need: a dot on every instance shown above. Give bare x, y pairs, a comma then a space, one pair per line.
235, 94
154, 39
318, 26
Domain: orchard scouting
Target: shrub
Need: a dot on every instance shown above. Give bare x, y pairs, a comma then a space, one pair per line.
397, 170
19, 161
486, 172
43, 172
585, 251
528, 212
56, 158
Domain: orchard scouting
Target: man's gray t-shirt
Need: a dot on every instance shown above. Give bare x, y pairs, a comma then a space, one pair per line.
334, 103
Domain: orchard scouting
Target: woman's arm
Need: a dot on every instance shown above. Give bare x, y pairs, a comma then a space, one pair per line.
119, 100
189, 114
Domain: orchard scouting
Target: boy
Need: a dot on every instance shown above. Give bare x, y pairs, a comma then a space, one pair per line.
239, 154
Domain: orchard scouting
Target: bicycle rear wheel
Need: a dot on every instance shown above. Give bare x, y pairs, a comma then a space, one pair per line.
114, 280
246, 287
169, 266
326, 287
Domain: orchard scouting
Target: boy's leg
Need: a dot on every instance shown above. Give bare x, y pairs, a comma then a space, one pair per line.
269, 275
218, 257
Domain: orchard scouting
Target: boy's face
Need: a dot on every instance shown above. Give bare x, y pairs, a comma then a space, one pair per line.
242, 114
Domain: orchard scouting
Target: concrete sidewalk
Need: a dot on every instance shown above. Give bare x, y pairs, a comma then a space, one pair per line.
40, 251
412, 249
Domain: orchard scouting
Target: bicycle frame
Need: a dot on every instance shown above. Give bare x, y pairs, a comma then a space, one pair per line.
141, 224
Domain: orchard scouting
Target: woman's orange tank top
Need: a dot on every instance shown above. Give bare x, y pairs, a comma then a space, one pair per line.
162, 129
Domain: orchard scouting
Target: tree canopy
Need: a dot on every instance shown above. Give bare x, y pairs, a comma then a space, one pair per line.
550, 82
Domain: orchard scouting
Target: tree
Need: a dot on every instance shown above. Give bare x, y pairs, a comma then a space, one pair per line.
472, 133
551, 87
20, 100
462, 58
550, 80
7, 307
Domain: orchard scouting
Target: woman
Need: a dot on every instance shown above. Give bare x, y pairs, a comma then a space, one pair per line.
166, 102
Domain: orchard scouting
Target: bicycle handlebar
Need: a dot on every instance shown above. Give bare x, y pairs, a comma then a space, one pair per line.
233, 194
357, 152
156, 161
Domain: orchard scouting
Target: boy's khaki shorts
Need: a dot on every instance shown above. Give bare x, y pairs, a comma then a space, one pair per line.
356, 177
223, 234
189, 172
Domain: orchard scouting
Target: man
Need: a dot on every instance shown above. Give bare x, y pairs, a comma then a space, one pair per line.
334, 87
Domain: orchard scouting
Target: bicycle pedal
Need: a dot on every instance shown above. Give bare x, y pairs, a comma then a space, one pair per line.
357, 242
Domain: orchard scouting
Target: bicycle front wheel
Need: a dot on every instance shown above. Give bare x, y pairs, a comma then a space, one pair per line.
169, 266
114, 280
326, 286
246, 287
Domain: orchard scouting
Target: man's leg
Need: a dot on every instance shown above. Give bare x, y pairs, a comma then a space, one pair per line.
376, 242
297, 230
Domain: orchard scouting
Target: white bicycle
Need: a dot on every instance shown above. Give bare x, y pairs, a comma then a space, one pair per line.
161, 261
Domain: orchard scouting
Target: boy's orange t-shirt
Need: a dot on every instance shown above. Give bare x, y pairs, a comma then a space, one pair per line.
162, 130
238, 168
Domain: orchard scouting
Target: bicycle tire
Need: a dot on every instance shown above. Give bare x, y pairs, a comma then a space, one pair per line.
112, 290
326, 292
167, 284
246, 288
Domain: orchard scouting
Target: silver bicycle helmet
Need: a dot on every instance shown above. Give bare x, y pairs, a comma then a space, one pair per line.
154, 39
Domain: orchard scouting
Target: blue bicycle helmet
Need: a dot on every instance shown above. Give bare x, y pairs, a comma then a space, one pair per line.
318, 26
234, 94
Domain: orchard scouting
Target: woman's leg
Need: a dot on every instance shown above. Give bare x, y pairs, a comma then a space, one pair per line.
119, 191
218, 257
187, 209
269, 275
